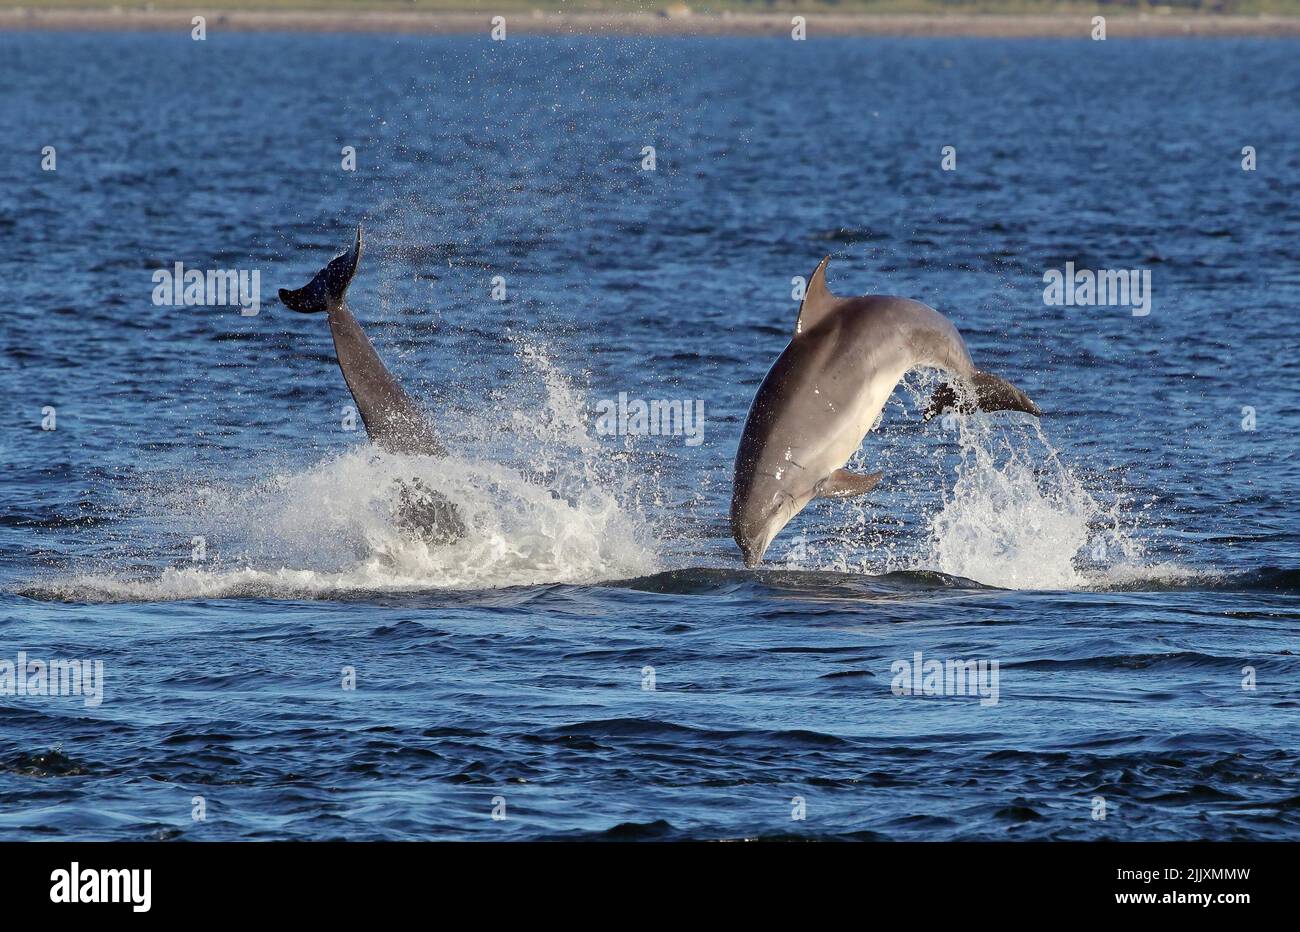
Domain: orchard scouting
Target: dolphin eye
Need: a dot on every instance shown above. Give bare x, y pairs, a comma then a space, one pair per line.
783, 499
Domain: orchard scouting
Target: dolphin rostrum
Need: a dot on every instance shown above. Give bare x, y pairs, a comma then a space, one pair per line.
825, 392
393, 420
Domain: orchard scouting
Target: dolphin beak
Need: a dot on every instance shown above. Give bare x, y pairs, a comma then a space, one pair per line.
752, 547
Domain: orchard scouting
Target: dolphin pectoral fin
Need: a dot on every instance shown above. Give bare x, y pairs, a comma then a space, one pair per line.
845, 484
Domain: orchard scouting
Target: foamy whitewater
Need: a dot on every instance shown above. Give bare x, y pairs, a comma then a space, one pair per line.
1019, 518
571, 511
332, 530
564, 513
993, 500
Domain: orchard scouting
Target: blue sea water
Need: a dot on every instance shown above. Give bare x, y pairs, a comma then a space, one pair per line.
593, 660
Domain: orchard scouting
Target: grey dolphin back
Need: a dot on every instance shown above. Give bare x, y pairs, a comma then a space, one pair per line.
931, 340
393, 419
928, 338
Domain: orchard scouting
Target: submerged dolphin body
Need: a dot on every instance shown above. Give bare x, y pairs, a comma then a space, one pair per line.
824, 394
393, 420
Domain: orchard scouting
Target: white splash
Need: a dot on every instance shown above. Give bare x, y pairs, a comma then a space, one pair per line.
557, 515
988, 497
1019, 518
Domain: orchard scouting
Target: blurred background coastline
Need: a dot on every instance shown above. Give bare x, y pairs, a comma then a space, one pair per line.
1004, 18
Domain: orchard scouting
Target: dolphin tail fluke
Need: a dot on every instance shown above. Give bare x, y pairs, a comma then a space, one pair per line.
330, 285
991, 394
995, 394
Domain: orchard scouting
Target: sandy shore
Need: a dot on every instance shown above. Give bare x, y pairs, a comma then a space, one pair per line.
818, 24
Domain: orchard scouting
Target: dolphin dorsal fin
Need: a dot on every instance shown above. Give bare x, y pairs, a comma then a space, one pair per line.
817, 301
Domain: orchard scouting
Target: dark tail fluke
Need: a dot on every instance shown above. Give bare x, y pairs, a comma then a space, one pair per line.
996, 394
990, 394
328, 287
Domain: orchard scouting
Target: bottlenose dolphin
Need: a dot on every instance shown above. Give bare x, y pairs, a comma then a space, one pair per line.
825, 392
393, 420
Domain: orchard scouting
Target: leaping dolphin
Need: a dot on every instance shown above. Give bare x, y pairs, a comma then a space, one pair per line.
825, 392
393, 420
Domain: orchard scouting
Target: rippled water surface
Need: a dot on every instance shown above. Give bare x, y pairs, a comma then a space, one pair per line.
593, 660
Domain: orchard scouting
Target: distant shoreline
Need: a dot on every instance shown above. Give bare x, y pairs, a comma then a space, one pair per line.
651, 24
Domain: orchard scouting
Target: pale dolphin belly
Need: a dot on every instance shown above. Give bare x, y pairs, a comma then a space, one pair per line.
867, 406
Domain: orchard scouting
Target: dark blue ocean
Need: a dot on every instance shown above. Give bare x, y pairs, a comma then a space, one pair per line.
281, 660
